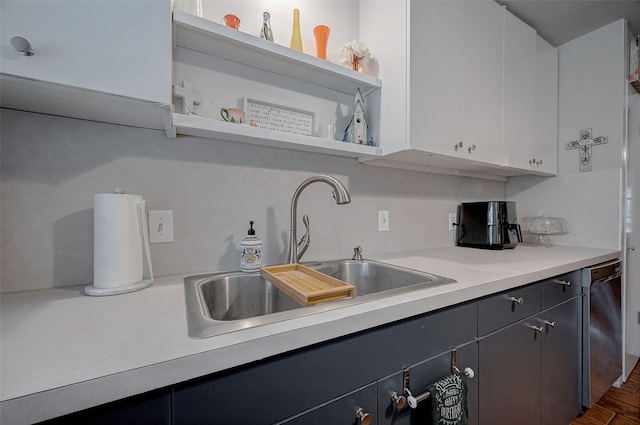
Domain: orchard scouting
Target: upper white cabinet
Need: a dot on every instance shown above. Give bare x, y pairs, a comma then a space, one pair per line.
545, 152
101, 60
224, 65
482, 81
519, 92
531, 111
469, 79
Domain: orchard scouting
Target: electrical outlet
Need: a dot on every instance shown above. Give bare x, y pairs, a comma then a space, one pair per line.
160, 226
383, 221
452, 221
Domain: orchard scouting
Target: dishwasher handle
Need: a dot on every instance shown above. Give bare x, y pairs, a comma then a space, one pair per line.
606, 272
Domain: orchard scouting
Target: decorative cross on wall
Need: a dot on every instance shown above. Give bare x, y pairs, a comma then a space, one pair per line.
189, 97
584, 143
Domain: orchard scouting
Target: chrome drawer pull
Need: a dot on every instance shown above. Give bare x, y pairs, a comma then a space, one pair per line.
399, 400
548, 323
519, 301
538, 328
363, 417
564, 282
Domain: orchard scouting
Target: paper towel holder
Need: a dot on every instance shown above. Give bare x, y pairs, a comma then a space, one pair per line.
145, 282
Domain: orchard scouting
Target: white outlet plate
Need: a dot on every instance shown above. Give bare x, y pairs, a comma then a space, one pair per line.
160, 226
452, 221
383, 221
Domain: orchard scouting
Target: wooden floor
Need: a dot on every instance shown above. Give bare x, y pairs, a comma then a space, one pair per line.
619, 406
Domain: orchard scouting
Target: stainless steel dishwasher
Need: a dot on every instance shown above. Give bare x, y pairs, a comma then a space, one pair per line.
602, 329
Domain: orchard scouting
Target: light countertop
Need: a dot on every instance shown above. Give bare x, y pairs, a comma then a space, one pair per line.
62, 351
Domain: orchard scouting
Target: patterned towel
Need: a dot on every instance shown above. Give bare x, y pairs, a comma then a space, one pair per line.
449, 401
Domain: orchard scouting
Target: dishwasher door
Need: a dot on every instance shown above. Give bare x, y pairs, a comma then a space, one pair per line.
602, 329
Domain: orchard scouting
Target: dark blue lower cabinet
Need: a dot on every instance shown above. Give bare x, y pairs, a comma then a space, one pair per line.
284, 387
357, 407
152, 408
421, 376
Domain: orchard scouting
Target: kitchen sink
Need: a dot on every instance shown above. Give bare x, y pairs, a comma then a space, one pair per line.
225, 302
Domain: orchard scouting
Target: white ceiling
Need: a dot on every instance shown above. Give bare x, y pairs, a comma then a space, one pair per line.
559, 21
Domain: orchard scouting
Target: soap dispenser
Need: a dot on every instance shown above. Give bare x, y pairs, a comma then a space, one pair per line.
251, 259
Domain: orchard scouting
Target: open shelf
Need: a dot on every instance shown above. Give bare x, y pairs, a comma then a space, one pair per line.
205, 36
193, 125
213, 39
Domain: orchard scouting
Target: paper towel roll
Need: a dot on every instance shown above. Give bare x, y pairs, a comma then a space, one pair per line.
117, 241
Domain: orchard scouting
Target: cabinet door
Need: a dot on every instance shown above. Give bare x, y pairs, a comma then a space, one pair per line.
482, 80
421, 376
546, 108
122, 48
436, 76
561, 363
153, 408
509, 375
519, 92
345, 410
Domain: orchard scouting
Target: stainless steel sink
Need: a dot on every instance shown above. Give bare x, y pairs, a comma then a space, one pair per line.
225, 302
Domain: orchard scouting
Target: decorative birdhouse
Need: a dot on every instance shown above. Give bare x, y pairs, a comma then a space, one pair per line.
356, 131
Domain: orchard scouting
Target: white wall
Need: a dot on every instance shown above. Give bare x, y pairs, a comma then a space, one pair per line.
52, 166
592, 91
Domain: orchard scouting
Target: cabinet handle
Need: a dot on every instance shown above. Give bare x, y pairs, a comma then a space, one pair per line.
533, 161
548, 323
471, 148
399, 400
519, 301
457, 146
538, 328
411, 400
363, 417
565, 282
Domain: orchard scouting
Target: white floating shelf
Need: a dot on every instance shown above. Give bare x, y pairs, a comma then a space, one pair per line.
205, 36
193, 125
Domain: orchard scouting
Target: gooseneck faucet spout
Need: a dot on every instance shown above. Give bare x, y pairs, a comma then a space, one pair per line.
340, 194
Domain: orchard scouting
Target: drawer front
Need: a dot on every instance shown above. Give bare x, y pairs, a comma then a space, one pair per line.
561, 288
342, 411
507, 307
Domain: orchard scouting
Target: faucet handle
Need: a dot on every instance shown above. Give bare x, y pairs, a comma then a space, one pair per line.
357, 253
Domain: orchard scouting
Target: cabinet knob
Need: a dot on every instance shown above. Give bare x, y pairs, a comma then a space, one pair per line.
548, 323
411, 400
538, 329
457, 146
471, 148
399, 400
22, 45
363, 417
565, 282
519, 301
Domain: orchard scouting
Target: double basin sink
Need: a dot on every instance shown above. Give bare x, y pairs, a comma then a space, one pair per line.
225, 302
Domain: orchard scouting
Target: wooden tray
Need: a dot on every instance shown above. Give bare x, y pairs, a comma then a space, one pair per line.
306, 286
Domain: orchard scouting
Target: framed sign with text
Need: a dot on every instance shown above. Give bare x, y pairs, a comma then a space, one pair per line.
279, 118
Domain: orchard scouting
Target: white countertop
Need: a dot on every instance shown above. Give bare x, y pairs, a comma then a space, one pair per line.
62, 351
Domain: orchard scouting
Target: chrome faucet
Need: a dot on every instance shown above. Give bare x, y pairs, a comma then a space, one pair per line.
340, 194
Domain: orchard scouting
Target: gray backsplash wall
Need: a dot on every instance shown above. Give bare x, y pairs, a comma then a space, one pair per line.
51, 167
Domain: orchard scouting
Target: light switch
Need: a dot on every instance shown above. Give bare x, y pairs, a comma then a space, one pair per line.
383, 221
160, 226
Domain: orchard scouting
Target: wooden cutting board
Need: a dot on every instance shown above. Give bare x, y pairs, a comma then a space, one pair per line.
306, 286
